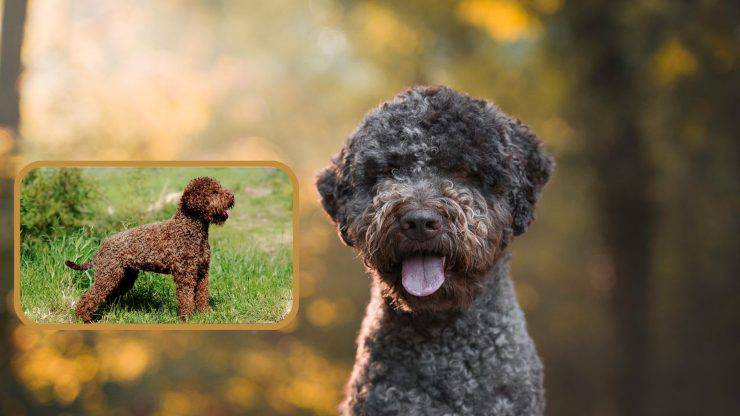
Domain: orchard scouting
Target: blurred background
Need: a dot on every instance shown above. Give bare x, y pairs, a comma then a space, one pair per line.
629, 278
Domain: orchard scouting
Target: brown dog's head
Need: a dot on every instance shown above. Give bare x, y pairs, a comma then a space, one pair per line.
430, 189
205, 199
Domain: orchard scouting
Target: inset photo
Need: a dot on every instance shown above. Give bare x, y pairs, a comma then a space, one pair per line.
114, 245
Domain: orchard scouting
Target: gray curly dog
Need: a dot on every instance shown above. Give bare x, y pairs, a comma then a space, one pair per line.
430, 190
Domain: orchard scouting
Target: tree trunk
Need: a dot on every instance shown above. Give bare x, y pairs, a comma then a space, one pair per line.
13, 24
606, 107
14, 19
626, 220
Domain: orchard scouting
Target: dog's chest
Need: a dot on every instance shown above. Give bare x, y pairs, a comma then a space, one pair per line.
463, 350
482, 362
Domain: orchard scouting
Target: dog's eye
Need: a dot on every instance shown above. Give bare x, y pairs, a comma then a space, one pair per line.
464, 175
461, 174
468, 177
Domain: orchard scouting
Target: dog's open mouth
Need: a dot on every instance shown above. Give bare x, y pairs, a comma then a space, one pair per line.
222, 216
423, 275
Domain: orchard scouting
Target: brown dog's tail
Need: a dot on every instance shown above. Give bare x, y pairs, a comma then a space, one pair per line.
75, 266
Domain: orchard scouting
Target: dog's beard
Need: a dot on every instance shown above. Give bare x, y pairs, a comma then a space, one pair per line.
220, 211
442, 273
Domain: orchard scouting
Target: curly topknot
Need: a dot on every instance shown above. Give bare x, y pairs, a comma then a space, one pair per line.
442, 129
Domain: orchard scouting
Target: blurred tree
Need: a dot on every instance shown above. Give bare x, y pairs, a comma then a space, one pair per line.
14, 18
625, 59
13, 25
692, 83
607, 103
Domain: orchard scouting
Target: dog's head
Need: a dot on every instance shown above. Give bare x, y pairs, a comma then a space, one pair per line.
430, 189
205, 199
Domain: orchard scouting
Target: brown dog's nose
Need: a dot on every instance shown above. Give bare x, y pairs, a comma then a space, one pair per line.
421, 224
231, 200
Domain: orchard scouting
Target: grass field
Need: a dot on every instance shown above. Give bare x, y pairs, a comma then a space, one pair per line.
251, 273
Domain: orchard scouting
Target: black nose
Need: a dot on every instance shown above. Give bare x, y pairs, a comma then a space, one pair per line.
421, 224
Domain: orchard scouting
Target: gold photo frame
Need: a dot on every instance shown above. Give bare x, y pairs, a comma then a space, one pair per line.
283, 323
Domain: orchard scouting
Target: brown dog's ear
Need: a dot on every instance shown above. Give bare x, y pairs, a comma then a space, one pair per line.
193, 203
532, 169
335, 189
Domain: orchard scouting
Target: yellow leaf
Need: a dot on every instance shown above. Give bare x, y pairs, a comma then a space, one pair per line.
384, 32
672, 62
504, 20
322, 312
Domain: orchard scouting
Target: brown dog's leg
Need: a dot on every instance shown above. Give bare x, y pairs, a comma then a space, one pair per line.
106, 281
185, 290
201, 291
129, 278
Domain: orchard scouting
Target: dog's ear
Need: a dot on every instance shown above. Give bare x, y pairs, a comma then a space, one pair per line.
335, 189
192, 202
532, 169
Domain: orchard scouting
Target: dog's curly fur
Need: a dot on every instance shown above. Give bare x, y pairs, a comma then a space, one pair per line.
463, 349
178, 246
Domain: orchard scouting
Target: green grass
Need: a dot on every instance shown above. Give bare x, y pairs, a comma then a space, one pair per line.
251, 273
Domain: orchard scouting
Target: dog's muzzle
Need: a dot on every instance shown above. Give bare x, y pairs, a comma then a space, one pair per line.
422, 274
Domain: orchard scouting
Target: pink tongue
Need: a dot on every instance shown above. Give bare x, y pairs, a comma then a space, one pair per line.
422, 276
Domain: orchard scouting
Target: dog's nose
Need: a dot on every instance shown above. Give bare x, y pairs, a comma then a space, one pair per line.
421, 224
231, 200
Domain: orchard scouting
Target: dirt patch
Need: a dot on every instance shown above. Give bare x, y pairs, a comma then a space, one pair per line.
257, 191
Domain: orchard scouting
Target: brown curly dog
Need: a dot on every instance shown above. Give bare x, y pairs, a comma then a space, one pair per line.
177, 246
